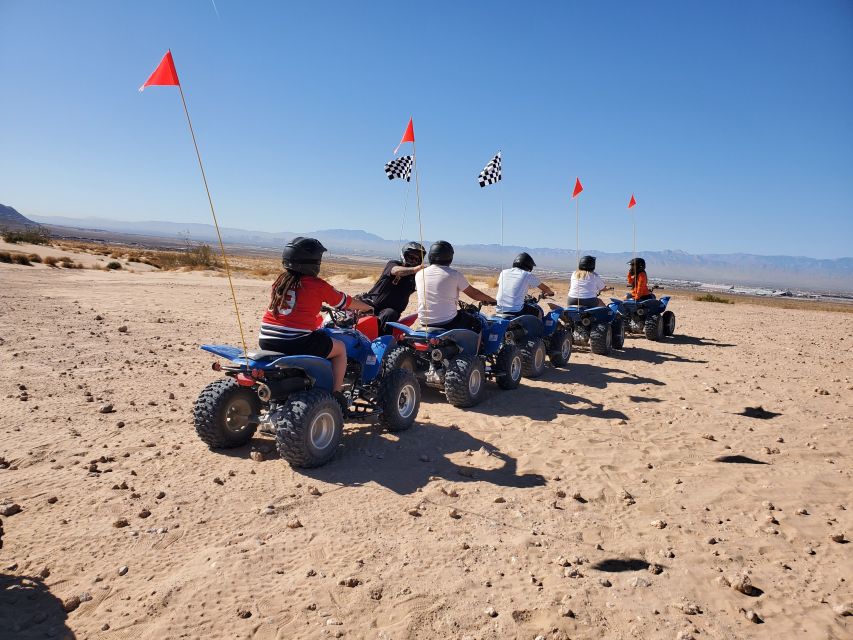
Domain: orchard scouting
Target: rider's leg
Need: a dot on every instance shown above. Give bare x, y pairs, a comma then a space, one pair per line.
338, 357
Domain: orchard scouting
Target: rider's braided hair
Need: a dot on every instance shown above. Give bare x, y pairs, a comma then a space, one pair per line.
283, 284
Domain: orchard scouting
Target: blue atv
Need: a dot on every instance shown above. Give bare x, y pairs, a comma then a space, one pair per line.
291, 397
458, 361
649, 317
538, 337
602, 329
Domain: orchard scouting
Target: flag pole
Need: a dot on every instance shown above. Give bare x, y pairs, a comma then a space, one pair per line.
420, 224
501, 196
216, 225
578, 228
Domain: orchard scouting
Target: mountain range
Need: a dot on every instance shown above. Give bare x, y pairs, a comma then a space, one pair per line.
734, 268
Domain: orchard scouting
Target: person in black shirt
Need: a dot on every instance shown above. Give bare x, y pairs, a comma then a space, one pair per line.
389, 297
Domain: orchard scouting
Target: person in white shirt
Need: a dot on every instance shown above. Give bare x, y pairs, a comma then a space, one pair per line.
586, 285
513, 285
438, 288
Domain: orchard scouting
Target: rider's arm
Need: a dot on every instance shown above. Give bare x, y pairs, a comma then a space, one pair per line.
544, 288
475, 294
406, 271
358, 305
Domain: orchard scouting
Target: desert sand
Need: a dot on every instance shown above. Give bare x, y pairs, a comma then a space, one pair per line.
622, 497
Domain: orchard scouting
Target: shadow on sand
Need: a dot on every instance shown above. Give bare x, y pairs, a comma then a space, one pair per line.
594, 375
30, 610
738, 459
620, 565
651, 356
367, 457
699, 342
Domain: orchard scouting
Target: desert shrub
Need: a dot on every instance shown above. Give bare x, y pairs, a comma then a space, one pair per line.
68, 263
34, 257
114, 265
20, 258
6, 257
31, 235
50, 261
710, 297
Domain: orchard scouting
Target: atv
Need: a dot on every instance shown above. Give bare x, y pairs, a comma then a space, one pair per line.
291, 397
457, 361
602, 329
538, 338
649, 317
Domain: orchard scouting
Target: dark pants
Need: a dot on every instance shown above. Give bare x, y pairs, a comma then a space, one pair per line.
530, 310
460, 321
383, 315
585, 302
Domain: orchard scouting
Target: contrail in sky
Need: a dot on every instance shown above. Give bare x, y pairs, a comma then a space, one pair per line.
215, 9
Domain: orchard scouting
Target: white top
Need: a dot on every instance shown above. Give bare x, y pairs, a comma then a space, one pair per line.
440, 286
586, 287
512, 287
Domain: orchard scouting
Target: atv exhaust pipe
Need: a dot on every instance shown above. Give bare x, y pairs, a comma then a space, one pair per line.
264, 392
442, 353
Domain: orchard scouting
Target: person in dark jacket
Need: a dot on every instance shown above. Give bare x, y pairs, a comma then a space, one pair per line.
389, 297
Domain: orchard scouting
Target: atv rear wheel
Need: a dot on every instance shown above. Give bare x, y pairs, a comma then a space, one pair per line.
668, 323
653, 327
308, 428
509, 366
399, 357
226, 414
601, 338
400, 399
561, 348
617, 330
464, 380
533, 358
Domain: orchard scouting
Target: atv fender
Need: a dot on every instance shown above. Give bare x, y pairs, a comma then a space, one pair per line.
664, 301
373, 364
531, 324
318, 369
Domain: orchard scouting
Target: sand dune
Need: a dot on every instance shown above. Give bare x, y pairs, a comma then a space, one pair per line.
619, 498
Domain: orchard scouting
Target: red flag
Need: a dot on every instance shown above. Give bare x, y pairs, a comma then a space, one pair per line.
632, 202
578, 188
164, 74
409, 136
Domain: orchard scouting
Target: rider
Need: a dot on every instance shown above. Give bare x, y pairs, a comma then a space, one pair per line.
513, 285
390, 295
291, 324
586, 285
638, 280
438, 287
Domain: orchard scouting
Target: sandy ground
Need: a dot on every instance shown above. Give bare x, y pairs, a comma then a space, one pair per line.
595, 502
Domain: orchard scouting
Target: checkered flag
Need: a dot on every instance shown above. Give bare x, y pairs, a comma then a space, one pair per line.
399, 168
492, 173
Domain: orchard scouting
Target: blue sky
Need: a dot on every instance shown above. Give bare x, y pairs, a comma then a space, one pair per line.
731, 121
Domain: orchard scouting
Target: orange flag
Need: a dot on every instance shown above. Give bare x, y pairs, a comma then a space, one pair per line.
578, 188
409, 136
164, 74
632, 202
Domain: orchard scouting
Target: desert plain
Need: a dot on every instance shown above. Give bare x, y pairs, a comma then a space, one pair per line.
631, 496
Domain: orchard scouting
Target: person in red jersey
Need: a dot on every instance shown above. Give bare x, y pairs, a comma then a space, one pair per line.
292, 322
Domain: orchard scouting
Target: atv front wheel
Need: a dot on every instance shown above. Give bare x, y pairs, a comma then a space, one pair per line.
226, 414
399, 357
463, 381
561, 348
601, 339
308, 428
399, 399
533, 358
617, 330
509, 366
653, 327
668, 323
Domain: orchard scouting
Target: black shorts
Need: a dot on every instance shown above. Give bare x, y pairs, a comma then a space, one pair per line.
585, 302
460, 321
316, 343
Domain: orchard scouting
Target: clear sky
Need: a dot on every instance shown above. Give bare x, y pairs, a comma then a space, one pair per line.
732, 121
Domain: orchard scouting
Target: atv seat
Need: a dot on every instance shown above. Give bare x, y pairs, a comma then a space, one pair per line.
264, 355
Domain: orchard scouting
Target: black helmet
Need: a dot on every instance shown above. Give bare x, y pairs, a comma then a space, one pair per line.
412, 254
638, 265
441, 253
303, 255
587, 263
524, 261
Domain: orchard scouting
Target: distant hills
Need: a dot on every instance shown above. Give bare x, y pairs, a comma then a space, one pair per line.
736, 268
10, 218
